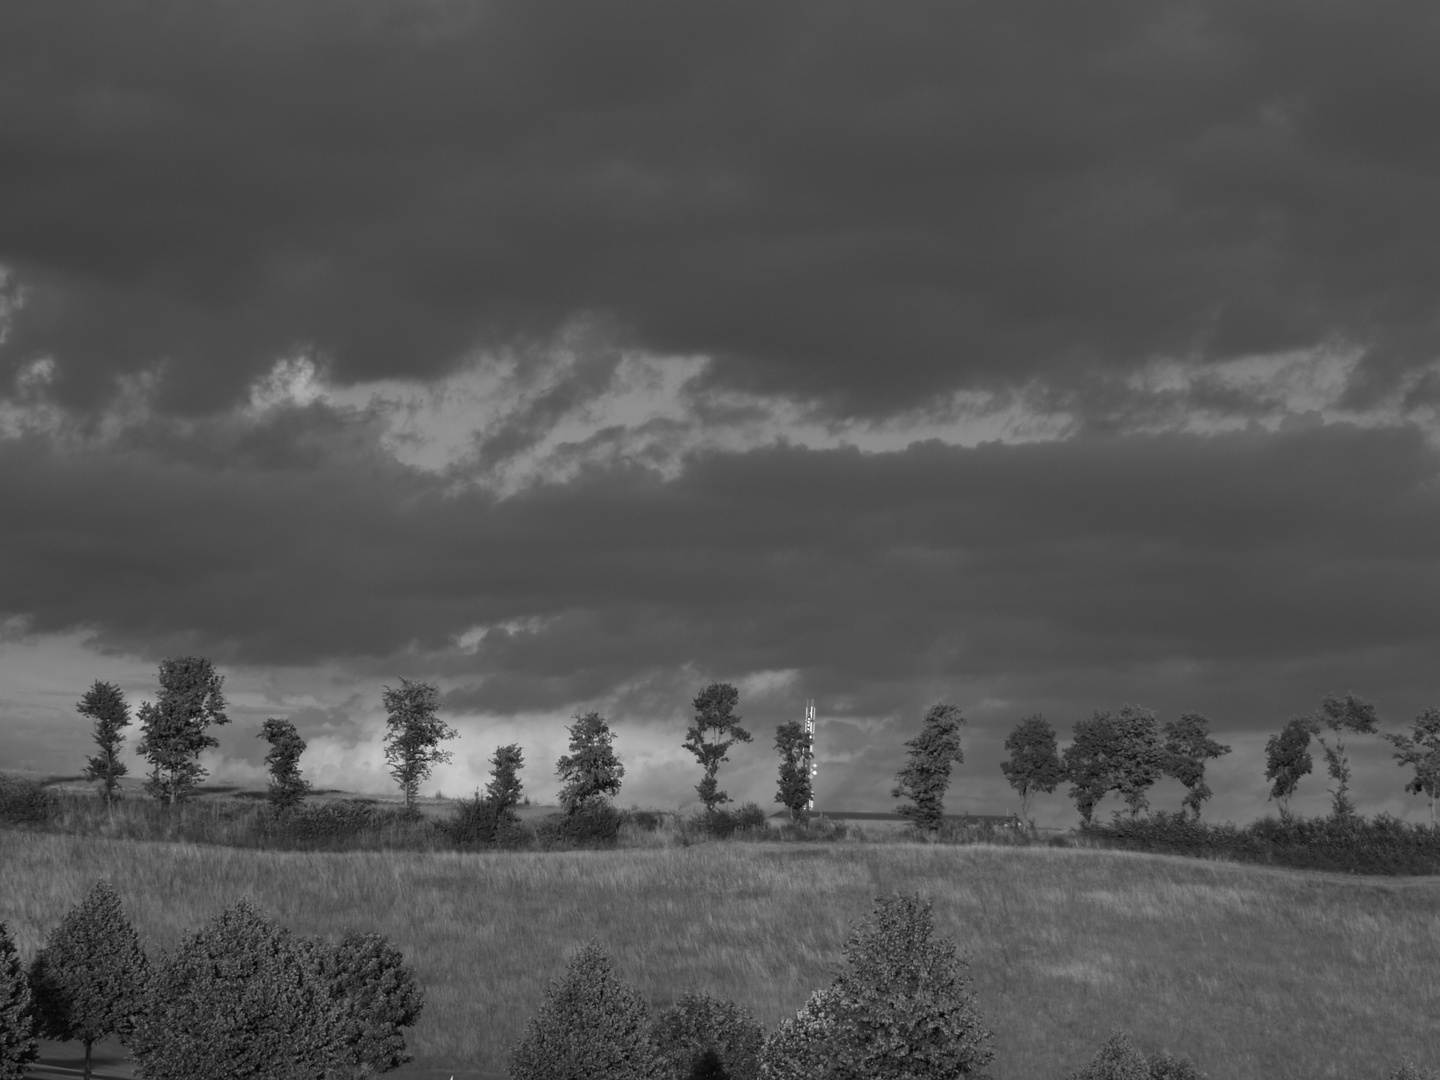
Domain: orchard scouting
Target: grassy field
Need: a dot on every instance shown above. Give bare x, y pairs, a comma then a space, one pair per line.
1251, 972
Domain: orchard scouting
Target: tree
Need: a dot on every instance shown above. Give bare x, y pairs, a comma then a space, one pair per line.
89, 979
1034, 764
105, 705
590, 1025
926, 773
174, 727
1187, 747
714, 716
699, 1024
1287, 759
793, 742
412, 746
287, 787
17, 1025
590, 771
502, 793
1120, 753
1347, 715
240, 999
902, 1008
1117, 1059
1421, 748
375, 995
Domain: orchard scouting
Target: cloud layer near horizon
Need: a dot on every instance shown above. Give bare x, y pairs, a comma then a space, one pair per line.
1037, 357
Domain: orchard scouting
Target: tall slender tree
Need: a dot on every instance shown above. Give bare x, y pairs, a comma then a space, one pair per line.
1421, 749
591, 771
1034, 762
175, 726
1348, 715
714, 730
287, 787
1287, 759
793, 742
105, 705
90, 977
1187, 747
926, 773
503, 791
415, 731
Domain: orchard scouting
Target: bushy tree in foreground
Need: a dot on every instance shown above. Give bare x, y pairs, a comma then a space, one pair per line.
926, 773
591, 771
1287, 759
89, 979
794, 793
590, 1025
699, 1024
287, 787
105, 705
1186, 749
1348, 715
174, 727
414, 732
1421, 749
1034, 762
376, 997
714, 730
17, 1025
901, 1009
241, 999
1117, 1059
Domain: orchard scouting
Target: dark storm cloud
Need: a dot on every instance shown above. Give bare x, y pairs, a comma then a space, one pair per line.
861, 205
1062, 568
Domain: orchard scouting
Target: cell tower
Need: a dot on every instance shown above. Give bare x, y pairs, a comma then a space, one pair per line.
810, 765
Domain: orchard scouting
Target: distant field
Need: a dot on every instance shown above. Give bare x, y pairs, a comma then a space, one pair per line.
1252, 972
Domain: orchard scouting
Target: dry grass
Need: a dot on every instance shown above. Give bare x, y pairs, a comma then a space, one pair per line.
1251, 972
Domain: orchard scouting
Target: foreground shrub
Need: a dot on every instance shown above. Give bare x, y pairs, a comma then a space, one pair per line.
25, 802
699, 1024
375, 996
17, 1028
590, 1025
239, 999
902, 1009
1410, 1071
1118, 1060
89, 979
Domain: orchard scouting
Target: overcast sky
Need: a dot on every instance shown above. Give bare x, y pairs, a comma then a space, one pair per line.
1034, 357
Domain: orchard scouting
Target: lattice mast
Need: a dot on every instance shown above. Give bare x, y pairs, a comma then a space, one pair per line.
811, 768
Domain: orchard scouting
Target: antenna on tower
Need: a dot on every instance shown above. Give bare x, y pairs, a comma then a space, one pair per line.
811, 767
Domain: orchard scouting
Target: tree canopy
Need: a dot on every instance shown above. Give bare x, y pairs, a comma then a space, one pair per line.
591, 771
414, 734
926, 773
105, 705
175, 726
714, 729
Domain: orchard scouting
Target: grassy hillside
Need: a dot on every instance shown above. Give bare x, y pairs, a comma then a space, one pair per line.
1251, 972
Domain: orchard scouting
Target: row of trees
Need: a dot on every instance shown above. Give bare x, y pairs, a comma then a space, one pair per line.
1125, 752
241, 997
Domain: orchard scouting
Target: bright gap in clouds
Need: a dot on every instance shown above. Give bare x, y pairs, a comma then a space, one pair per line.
512, 420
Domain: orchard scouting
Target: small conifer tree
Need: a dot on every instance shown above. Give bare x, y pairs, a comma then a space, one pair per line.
240, 999
376, 996
17, 1024
590, 1025
90, 977
105, 705
901, 1009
